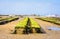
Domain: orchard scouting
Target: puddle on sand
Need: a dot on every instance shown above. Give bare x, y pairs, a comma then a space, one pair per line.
53, 28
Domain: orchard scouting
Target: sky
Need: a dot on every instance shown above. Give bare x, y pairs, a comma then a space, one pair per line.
28, 7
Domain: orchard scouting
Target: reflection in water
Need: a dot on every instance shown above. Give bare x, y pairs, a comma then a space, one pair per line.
53, 28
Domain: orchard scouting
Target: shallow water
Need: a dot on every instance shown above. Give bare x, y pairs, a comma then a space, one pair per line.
53, 28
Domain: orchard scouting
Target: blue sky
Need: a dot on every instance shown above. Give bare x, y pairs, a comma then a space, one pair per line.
41, 7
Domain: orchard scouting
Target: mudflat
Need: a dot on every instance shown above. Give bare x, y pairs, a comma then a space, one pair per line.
6, 29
